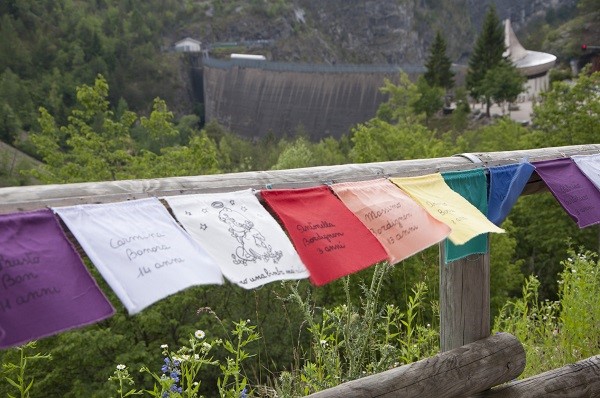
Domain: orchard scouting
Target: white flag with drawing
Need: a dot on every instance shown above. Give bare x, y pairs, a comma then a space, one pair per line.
241, 235
140, 250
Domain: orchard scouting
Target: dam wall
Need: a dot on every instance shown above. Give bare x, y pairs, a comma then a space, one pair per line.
255, 98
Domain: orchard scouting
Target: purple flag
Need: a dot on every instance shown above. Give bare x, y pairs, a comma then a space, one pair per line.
44, 286
576, 194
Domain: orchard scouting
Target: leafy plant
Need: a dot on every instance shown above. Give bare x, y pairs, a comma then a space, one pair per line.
555, 333
349, 342
15, 373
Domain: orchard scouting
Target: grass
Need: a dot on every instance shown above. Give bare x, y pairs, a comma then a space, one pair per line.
12, 162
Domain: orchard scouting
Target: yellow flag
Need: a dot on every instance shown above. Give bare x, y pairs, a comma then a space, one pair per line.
432, 192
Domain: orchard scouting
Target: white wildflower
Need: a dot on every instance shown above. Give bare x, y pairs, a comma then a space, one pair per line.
199, 334
121, 366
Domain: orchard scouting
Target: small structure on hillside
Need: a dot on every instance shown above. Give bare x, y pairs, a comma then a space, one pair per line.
533, 64
188, 45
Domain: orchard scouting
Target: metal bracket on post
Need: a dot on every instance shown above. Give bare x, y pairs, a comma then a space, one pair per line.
472, 157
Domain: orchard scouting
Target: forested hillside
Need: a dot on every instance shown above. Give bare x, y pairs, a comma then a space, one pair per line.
48, 48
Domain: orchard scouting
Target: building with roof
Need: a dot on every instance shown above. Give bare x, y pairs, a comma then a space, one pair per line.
532, 64
188, 45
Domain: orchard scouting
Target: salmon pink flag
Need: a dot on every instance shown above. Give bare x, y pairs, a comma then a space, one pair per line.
573, 190
330, 240
45, 288
432, 192
400, 224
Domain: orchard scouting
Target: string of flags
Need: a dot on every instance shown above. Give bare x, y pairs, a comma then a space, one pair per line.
145, 253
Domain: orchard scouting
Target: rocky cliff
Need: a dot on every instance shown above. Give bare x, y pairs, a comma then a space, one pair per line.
367, 32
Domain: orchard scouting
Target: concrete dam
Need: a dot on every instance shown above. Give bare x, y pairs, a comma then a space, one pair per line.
254, 98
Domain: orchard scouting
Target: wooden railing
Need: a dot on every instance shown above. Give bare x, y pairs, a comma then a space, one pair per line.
464, 284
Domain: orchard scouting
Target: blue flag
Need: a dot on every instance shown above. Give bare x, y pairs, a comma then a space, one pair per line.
506, 184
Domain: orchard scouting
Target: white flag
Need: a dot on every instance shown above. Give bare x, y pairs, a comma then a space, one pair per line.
241, 235
590, 166
140, 250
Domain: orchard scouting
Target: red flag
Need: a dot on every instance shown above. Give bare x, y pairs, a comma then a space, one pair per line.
330, 239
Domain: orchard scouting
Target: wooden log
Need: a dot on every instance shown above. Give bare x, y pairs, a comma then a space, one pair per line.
460, 372
581, 380
14, 199
464, 300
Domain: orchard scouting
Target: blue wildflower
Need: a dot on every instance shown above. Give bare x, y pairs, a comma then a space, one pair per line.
167, 361
165, 394
176, 362
175, 376
164, 368
244, 393
174, 388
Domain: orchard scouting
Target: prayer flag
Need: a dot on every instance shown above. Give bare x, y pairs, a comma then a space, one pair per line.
573, 190
140, 250
244, 239
471, 185
506, 184
45, 287
590, 166
330, 240
400, 224
447, 206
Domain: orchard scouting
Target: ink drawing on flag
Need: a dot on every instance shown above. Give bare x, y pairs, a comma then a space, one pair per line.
140, 250
245, 240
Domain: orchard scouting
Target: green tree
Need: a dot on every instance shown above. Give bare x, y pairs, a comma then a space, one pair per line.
298, 154
378, 140
401, 97
503, 135
486, 55
438, 65
94, 146
430, 100
568, 114
15, 104
159, 126
503, 83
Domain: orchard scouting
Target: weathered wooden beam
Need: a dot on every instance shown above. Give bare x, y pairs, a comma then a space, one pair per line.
14, 199
460, 372
581, 380
464, 300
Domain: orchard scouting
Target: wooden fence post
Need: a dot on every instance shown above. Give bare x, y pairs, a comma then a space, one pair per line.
464, 300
